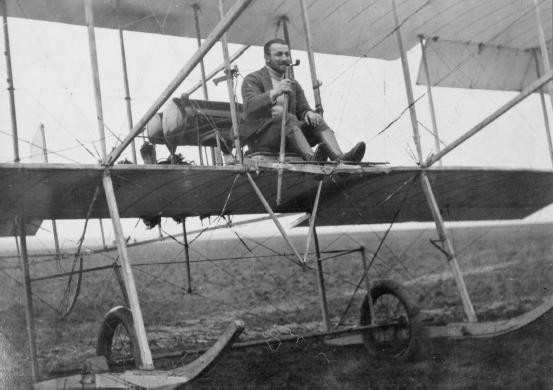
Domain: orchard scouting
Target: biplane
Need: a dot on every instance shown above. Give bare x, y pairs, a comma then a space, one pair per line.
489, 45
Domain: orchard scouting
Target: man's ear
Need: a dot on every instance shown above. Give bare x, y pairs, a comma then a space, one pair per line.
267, 59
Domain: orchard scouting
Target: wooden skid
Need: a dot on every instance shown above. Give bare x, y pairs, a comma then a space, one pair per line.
153, 379
465, 330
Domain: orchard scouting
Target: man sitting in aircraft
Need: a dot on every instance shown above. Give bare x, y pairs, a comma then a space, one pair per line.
263, 96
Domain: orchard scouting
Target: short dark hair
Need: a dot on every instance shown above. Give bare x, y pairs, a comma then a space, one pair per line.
267, 47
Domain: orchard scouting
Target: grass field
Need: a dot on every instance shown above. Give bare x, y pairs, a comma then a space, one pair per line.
508, 270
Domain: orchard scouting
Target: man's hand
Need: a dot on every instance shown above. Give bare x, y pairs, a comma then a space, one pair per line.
312, 118
285, 86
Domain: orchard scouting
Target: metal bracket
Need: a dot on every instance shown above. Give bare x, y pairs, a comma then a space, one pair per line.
435, 243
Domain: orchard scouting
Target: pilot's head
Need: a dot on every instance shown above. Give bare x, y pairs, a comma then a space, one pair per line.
277, 55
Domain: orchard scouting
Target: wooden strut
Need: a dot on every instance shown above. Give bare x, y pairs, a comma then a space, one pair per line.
312, 219
546, 67
89, 14
467, 304
321, 282
544, 108
430, 99
54, 225
311, 58
29, 310
186, 256
217, 159
284, 20
102, 232
10, 81
127, 92
145, 354
282, 153
367, 283
230, 86
209, 42
274, 218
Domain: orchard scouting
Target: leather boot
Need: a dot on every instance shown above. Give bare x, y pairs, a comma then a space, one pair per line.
354, 155
333, 150
298, 144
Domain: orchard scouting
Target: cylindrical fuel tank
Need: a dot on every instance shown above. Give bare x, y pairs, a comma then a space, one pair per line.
183, 119
154, 130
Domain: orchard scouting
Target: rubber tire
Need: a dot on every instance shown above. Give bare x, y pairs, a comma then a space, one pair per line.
410, 313
118, 317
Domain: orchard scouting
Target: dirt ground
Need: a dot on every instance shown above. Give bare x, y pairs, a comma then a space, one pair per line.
507, 273
522, 359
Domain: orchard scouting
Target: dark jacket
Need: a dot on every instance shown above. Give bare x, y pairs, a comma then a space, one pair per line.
257, 102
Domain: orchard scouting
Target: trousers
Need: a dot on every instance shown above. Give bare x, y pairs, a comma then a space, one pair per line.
267, 138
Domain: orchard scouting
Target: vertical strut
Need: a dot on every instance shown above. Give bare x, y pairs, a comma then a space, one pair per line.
311, 58
367, 282
230, 85
29, 311
430, 99
467, 304
10, 81
312, 221
546, 67
121, 281
186, 256
128, 276
284, 22
95, 73
102, 231
127, 91
217, 156
56, 240
321, 282
282, 153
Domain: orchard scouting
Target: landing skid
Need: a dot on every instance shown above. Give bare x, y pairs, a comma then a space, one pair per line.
97, 376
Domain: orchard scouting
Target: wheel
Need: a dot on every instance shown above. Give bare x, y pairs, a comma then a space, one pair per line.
117, 340
399, 318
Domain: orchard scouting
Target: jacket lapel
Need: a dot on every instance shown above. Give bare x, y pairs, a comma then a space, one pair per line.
266, 79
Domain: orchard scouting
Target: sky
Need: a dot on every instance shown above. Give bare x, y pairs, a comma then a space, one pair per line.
361, 97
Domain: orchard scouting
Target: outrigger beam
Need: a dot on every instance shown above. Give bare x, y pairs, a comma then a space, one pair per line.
10, 81
500, 111
209, 42
451, 256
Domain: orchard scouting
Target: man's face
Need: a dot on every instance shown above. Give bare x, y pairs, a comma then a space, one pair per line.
278, 58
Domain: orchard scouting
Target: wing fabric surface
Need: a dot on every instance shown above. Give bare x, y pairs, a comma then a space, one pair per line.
358, 28
57, 191
476, 66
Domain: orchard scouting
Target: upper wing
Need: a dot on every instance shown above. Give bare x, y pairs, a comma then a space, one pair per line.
348, 27
368, 195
